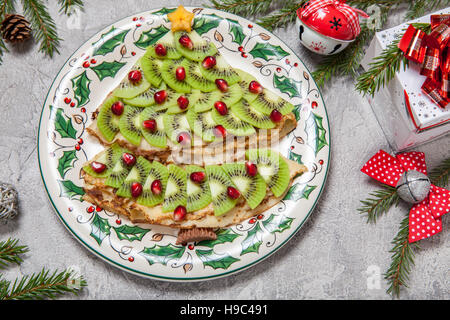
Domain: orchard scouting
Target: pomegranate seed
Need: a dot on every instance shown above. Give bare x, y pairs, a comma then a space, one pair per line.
98, 167
186, 42
117, 108
184, 138
251, 169
221, 107
197, 176
276, 116
128, 159
136, 189
180, 213
156, 187
222, 85
220, 131
180, 73
134, 76
209, 62
160, 96
150, 125
183, 102
233, 193
160, 50
255, 87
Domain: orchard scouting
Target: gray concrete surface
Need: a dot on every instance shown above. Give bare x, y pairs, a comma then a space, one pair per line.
329, 257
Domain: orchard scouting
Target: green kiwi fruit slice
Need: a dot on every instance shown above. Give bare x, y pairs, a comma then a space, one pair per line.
146, 98
127, 89
138, 173
168, 74
218, 183
118, 173
244, 83
168, 42
192, 97
267, 101
207, 100
157, 172
109, 158
245, 112
198, 194
202, 124
175, 194
222, 70
272, 168
253, 189
232, 95
130, 124
201, 47
195, 78
107, 121
233, 123
174, 124
158, 137
152, 69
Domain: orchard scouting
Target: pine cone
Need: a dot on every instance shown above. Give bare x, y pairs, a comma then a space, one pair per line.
15, 28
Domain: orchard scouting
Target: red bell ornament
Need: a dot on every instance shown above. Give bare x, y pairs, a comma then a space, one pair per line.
328, 26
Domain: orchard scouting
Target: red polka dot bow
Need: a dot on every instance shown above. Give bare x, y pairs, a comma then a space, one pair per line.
425, 216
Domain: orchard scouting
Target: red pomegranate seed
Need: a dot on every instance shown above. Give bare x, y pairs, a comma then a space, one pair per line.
160, 96
220, 131
221, 107
160, 50
180, 73
117, 108
136, 189
128, 159
180, 213
209, 62
186, 42
222, 85
197, 176
251, 169
276, 116
184, 138
156, 187
183, 102
150, 125
98, 167
233, 193
255, 87
135, 76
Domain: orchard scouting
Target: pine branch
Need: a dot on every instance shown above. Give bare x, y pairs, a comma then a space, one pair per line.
10, 252
244, 7
381, 202
402, 259
282, 17
43, 26
440, 175
68, 6
42, 285
419, 8
6, 6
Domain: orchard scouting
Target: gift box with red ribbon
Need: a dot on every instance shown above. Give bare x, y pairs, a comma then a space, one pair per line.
414, 107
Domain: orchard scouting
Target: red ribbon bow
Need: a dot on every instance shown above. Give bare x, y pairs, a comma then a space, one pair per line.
424, 217
432, 51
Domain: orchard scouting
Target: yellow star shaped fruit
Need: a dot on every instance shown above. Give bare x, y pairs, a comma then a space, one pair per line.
181, 19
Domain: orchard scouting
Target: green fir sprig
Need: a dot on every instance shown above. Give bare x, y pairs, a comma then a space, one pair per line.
281, 18
69, 6
379, 203
440, 175
10, 252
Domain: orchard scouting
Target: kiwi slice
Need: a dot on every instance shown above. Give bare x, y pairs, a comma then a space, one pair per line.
174, 124
233, 123
127, 89
109, 158
138, 173
192, 97
198, 194
157, 172
244, 83
152, 69
245, 112
232, 95
168, 74
158, 137
222, 70
146, 98
207, 100
201, 48
107, 121
118, 173
168, 42
272, 168
130, 124
267, 101
195, 78
202, 124
218, 183
175, 194
253, 189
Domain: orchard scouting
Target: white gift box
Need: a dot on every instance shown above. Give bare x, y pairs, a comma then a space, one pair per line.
406, 115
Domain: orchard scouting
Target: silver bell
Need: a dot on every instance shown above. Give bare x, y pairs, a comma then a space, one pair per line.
413, 186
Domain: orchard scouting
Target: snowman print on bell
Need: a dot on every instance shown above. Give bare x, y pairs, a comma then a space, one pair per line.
328, 26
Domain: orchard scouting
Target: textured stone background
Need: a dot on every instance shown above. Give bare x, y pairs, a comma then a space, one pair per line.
327, 259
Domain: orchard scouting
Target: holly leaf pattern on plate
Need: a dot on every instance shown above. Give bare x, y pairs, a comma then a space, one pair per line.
268, 51
223, 236
150, 37
289, 86
162, 254
108, 69
295, 157
236, 31
163, 11
277, 223
100, 228
215, 260
66, 161
63, 124
130, 233
205, 22
70, 190
316, 133
299, 191
81, 90
109, 41
253, 240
